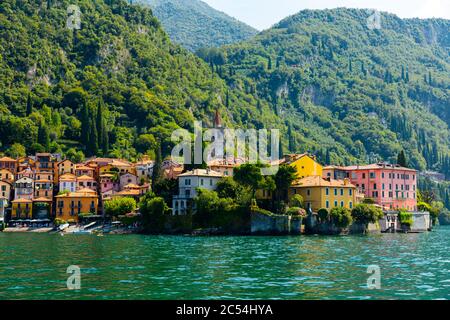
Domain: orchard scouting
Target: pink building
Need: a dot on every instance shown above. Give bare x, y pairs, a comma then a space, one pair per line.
390, 186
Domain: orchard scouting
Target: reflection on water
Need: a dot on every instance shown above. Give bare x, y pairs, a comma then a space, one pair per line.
413, 266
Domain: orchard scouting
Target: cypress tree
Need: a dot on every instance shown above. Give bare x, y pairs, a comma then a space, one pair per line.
401, 159
157, 167
44, 136
29, 105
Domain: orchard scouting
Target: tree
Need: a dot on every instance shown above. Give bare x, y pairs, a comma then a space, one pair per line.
145, 143
228, 188
284, 177
341, 217
249, 175
365, 214
154, 212
157, 167
29, 105
75, 156
401, 159
323, 214
44, 137
119, 206
296, 201
16, 151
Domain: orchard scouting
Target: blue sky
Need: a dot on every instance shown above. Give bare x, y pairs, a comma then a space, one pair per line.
261, 14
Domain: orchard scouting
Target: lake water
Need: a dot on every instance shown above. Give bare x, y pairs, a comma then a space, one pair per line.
412, 266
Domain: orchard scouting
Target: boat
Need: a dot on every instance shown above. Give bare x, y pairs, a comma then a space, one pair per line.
63, 226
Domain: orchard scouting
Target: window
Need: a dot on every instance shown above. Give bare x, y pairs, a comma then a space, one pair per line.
327, 204
350, 204
363, 175
210, 182
187, 193
335, 203
327, 191
342, 204
342, 192
201, 182
350, 192
374, 186
335, 191
372, 175
308, 192
382, 175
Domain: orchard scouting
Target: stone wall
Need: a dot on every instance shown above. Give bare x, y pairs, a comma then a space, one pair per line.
274, 224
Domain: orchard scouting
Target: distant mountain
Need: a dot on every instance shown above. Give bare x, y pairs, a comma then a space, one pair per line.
194, 24
350, 92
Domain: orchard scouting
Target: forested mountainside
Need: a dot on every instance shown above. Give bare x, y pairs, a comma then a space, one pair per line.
113, 87
348, 92
194, 24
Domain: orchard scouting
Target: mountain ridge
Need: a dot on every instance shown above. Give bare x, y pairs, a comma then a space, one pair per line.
194, 24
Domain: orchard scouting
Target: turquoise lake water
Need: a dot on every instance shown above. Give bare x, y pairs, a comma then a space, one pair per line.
412, 266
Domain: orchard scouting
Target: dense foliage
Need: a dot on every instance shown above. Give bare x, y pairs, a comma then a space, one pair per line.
115, 87
194, 24
348, 93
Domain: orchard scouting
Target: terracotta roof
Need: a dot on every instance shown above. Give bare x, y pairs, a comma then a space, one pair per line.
130, 192
83, 167
376, 166
21, 201
106, 175
7, 159
318, 181
62, 161
202, 172
42, 199
333, 167
83, 193
85, 178
132, 186
68, 176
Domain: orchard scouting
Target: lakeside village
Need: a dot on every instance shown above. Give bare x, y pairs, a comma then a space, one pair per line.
45, 193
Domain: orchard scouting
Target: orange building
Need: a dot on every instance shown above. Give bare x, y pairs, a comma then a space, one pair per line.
70, 205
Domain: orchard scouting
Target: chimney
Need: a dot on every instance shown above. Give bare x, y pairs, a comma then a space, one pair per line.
346, 181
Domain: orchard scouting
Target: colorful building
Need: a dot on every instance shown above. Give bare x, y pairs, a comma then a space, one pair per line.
22, 209
24, 188
390, 186
84, 170
8, 164
43, 185
65, 166
86, 182
305, 165
107, 185
318, 193
6, 190
70, 205
68, 182
6, 175
126, 179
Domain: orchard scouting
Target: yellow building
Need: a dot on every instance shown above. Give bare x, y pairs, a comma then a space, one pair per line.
22, 209
71, 204
318, 193
305, 165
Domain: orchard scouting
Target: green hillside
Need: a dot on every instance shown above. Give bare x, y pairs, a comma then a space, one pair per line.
194, 24
346, 92
111, 88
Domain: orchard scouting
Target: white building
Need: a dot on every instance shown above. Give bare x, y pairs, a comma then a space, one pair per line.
144, 169
187, 185
24, 188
